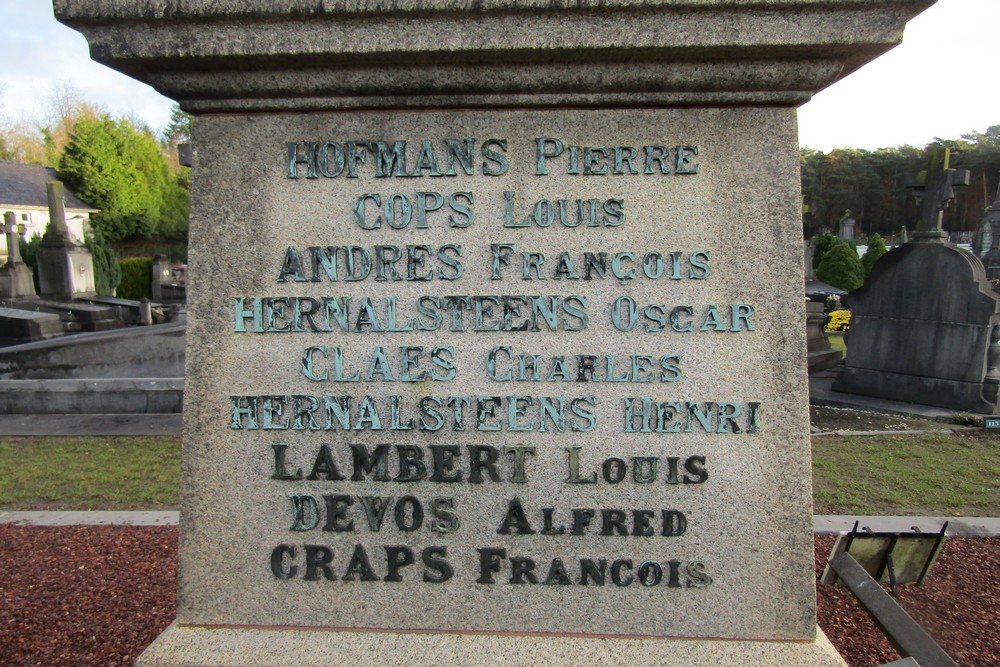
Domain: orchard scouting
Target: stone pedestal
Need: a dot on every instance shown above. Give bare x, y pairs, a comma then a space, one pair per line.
496, 330
16, 282
76, 315
65, 273
821, 354
924, 329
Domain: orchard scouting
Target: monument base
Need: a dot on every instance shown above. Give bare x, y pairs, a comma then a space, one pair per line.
191, 646
940, 392
16, 282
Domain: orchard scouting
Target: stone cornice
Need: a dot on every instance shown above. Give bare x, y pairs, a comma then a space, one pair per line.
298, 55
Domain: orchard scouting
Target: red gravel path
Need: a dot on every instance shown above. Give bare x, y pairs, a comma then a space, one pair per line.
84, 595
958, 605
98, 595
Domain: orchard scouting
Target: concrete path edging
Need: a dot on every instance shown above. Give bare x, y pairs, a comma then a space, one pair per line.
67, 518
95, 425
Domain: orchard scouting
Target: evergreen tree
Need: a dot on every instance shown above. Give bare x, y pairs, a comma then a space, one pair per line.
178, 130
29, 255
841, 268
876, 248
118, 168
823, 244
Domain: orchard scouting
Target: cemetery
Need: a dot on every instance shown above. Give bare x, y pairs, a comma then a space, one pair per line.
605, 200
46, 366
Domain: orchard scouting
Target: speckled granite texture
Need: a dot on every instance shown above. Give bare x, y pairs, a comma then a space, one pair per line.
747, 503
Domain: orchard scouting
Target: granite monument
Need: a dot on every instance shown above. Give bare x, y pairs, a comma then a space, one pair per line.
496, 344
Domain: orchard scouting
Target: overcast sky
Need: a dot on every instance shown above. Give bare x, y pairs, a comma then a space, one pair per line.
942, 81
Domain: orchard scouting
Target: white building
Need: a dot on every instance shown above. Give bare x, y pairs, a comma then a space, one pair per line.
22, 190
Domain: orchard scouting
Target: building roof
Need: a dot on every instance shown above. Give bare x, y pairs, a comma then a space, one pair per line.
23, 186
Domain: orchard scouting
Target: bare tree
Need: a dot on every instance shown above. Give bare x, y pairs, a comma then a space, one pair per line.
65, 105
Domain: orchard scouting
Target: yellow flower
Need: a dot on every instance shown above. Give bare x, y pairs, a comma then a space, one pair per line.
840, 320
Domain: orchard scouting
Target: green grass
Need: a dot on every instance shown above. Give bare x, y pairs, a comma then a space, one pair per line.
915, 474
912, 474
89, 473
837, 341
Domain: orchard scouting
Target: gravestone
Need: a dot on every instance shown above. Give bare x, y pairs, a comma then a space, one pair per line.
18, 325
990, 239
65, 269
166, 285
15, 276
925, 327
23, 323
846, 226
810, 255
496, 329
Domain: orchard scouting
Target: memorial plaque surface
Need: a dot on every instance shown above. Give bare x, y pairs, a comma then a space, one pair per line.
518, 371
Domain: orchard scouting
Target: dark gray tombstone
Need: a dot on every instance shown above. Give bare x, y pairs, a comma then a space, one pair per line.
984, 238
924, 327
989, 236
20, 326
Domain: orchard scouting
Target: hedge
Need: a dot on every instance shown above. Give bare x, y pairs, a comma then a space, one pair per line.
137, 278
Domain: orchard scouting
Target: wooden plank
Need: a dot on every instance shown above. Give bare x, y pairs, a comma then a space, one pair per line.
906, 634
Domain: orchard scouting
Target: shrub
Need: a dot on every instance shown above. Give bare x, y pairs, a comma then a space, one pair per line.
137, 278
107, 273
29, 255
840, 320
824, 243
876, 248
841, 268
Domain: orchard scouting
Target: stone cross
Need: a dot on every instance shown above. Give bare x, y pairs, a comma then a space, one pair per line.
934, 189
10, 228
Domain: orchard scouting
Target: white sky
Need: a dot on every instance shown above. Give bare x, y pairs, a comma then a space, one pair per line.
941, 82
